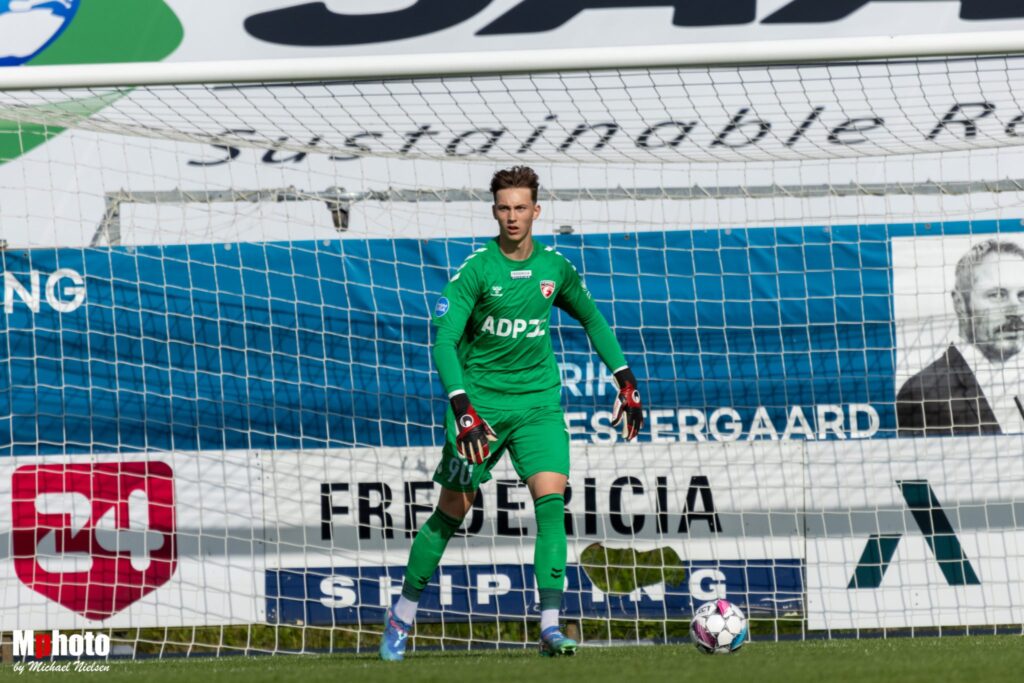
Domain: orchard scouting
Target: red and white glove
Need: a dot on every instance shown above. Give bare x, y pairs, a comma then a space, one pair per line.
475, 436
628, 410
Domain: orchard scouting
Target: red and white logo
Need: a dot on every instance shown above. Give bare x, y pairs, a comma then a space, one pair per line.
94, 537
547, 288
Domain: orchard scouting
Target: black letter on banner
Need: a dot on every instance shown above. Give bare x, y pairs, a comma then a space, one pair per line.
589, 506
615, 505
351, 143
412, 138
534, 16
853, 126
991, 9
505, 506
684, 128
700, 485
661, 488
1011, 127
412, 507
233, 152
313, 24
328, 509
366, 511
816, 11
802, 129
610, 130
493, 136
970, 130
737, 123
271, 156
476, 522
568, 515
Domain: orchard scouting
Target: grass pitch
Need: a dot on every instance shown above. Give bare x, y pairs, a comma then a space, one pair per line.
971, 658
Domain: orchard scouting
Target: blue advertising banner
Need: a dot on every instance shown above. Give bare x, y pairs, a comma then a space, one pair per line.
735, 334
346, 595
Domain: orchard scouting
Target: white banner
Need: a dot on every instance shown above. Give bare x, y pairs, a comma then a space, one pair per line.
282, 29
131, 541
915, 532
708, 501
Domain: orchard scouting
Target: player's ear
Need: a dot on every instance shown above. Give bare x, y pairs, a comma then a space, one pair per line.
494, 211
959, 306
536, 209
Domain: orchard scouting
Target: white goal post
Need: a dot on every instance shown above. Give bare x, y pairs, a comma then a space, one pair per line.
215, 381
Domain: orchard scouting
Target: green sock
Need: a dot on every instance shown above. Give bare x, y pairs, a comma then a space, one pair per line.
426, 552
549, 551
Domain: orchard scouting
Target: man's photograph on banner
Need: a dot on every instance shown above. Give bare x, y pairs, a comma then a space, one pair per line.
959, 310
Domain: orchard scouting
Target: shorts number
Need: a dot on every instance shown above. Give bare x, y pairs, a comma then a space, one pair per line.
460, 471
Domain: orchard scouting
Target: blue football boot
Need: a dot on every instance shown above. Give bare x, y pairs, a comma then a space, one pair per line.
392, 642
554, 644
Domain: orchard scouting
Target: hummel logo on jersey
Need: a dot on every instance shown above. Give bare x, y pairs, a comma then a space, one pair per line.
547, 288
496, 291
522, 274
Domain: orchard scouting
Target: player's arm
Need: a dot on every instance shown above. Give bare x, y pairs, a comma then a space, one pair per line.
451, 314
574, 298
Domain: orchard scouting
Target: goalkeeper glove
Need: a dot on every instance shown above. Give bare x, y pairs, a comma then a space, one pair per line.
627, 411
475, 435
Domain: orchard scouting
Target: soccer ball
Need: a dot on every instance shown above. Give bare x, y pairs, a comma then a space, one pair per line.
718, 628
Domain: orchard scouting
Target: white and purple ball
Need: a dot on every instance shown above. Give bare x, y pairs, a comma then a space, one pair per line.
718, 628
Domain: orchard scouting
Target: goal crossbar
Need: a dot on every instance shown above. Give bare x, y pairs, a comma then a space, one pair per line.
513, 61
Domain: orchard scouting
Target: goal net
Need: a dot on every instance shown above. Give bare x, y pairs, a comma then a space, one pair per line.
223, 421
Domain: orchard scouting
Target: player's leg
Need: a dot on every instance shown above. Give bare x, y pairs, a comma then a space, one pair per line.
459, 480
424, 558
540, 453
428, 548
549, 555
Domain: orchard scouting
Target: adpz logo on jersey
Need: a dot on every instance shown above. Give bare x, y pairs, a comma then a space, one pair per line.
94, 538
547, 288
441, 308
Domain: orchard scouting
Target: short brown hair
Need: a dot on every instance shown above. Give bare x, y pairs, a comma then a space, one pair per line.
517, 176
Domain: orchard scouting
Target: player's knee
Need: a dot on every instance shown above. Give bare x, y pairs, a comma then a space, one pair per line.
456, 504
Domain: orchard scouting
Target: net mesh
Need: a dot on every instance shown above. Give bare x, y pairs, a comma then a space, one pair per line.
228, 288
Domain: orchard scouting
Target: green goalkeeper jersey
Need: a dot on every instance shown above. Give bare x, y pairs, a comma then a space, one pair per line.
492, 320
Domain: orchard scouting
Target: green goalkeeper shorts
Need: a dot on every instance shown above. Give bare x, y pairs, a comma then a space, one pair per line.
536, 439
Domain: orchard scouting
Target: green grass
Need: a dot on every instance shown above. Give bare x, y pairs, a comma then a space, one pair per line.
975, 659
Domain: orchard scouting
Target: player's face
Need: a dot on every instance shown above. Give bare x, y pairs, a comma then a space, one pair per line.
515, 211
994, 308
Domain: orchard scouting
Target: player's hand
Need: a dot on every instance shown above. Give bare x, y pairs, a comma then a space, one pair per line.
475, 435
627, 411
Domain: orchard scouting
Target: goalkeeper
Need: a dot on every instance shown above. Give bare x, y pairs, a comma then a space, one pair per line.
493, 352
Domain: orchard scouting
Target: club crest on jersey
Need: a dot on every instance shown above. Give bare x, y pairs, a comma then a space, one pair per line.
547, 288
